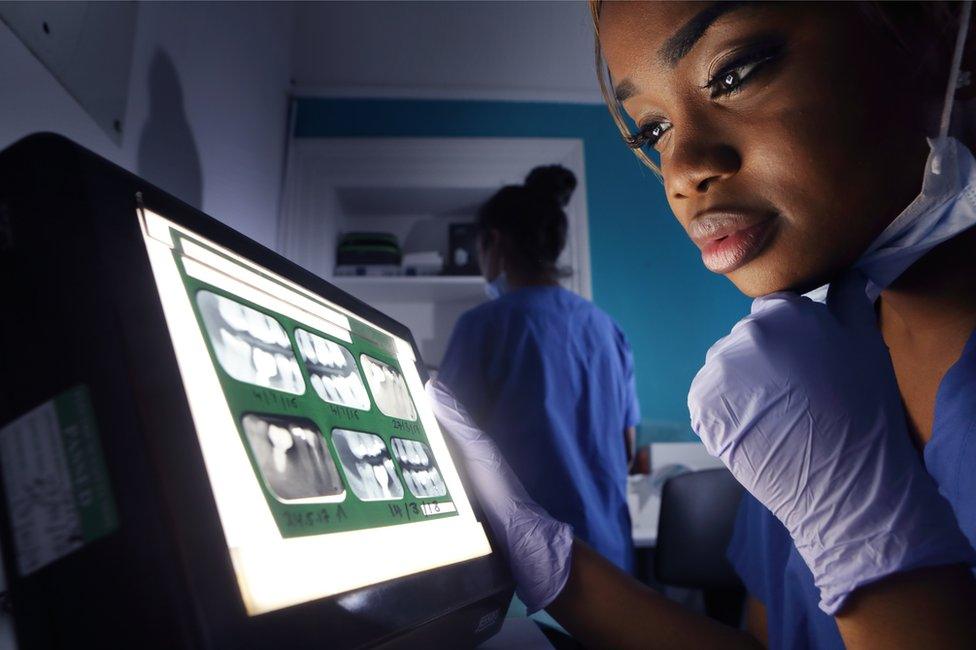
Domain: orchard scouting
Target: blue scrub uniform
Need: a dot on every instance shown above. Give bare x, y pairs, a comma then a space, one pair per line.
763, 553
551, 378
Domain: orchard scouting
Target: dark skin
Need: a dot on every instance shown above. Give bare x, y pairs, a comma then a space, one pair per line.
822, 135
605, 608
926, 317
807, 138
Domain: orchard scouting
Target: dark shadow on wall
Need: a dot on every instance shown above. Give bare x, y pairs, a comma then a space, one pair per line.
168, 155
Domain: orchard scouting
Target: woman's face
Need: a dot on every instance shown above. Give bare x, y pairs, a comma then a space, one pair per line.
789, 135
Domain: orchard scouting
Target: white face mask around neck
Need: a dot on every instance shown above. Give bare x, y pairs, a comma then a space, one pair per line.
945, 207
496, 288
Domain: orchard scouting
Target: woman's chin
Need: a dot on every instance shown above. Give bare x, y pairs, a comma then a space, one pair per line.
762, 277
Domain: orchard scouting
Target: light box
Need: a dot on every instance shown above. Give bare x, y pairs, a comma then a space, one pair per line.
247, 456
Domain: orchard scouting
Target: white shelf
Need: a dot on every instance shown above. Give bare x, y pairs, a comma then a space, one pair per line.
437, 288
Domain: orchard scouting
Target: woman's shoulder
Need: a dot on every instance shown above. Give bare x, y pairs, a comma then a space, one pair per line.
535, 303
571, 300
598, 320
479, 316
498, 314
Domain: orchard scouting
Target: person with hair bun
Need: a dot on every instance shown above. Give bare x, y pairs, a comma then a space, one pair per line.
546, 373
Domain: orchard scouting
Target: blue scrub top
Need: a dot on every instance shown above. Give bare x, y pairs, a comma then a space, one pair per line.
763, 554
551, 378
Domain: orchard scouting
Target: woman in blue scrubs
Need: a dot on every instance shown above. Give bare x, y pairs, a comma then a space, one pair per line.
811, 122
789, 138
546, 373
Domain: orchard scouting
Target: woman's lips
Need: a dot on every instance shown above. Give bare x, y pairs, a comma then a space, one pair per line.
730, 239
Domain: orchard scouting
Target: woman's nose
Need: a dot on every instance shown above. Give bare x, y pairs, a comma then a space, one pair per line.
695, 163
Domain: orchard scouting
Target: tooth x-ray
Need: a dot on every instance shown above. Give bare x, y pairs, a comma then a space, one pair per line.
367, 464
388, 388
332, 371
251, 346
419, 471
293, 457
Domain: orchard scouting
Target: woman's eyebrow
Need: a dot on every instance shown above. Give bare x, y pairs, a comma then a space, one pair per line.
683, 40
624, 90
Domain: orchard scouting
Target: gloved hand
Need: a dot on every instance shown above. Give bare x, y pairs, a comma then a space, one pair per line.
801, 403
537, 547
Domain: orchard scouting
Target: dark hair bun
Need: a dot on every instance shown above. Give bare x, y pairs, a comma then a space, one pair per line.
553, 181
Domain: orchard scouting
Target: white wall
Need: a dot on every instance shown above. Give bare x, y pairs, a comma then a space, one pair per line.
207, 111
524, 50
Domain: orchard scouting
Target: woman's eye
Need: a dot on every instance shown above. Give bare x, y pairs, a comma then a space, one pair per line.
735, 75
730, 80
648, 135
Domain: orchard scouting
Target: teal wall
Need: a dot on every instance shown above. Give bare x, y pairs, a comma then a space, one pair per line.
645, 271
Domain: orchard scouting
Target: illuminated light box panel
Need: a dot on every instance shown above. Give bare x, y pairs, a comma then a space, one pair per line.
212, 447
314, 426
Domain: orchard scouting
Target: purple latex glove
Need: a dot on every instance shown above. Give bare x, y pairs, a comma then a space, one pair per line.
801, 403
538, 548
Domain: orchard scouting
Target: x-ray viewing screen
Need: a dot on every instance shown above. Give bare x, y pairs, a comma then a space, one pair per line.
322, 451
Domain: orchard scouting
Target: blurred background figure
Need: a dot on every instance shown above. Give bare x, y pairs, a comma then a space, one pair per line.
545, 372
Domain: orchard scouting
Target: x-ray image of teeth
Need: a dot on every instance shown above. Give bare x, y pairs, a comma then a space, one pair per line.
419, 471
367, 464
293, 457
389, 389
332, 371
251, 346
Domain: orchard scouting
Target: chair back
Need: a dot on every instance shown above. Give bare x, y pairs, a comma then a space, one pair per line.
698, 512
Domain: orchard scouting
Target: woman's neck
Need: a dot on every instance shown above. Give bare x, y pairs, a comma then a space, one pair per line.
926, 317
518, 280
937, 294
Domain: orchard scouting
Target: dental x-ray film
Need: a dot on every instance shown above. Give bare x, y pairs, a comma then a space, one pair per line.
420, 472
293, 457
251, 346
388, 388
369, 468
314, 428
332, 370
291, 400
